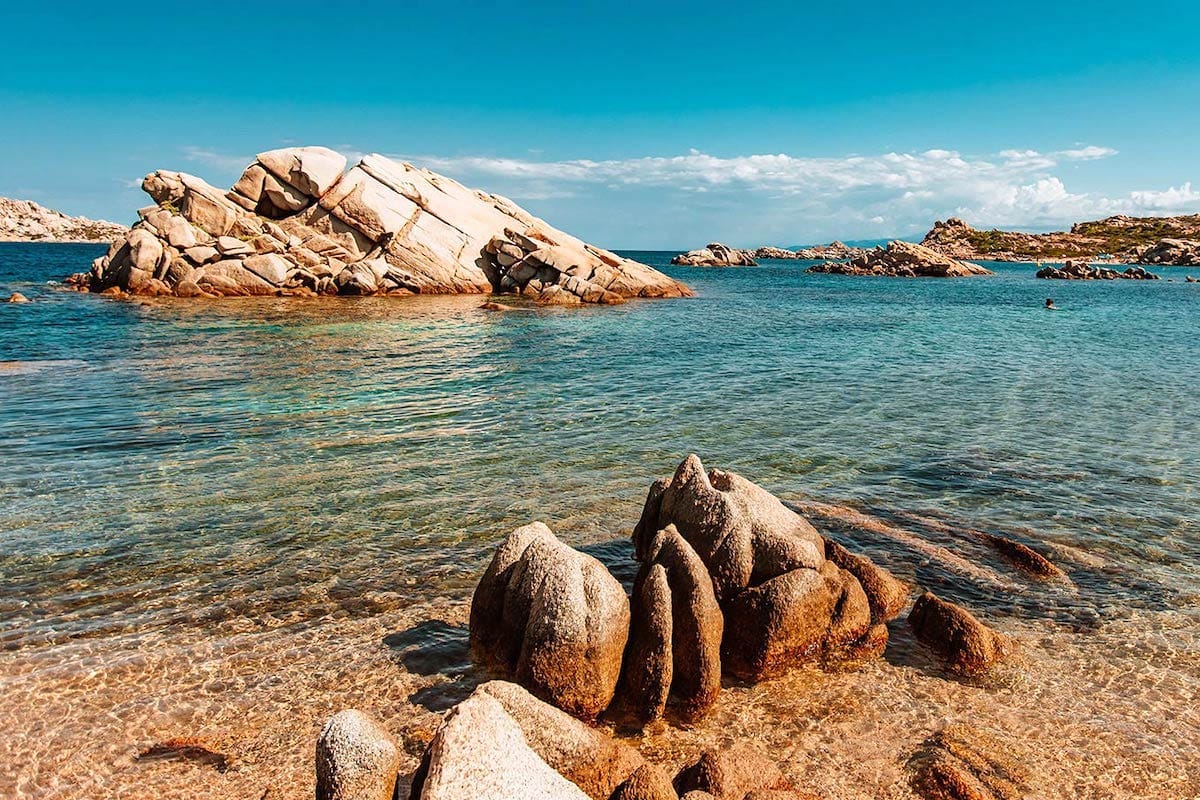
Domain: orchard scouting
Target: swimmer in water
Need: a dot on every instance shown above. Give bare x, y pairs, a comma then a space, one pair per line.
1050, 304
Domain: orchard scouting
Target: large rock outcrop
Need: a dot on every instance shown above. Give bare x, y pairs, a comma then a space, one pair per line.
782, 601
902, 260
26, 221
553, 619
715, 255
294, 223
1083, 271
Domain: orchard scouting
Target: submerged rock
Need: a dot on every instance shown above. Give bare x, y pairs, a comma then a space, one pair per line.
356, 759
552, 618
715, 255
1083, 271
966, 644
647, 783
294, 221
732, 774
960, 763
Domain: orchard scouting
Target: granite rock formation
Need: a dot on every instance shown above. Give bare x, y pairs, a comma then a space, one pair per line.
715, 255
26, 221
1082, 271
295, 224
903, 260
783, 602
552, 618
1178, 252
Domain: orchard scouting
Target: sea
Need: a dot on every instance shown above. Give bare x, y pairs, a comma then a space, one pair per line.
222, 521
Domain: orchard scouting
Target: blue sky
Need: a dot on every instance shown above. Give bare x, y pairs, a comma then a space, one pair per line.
665, 125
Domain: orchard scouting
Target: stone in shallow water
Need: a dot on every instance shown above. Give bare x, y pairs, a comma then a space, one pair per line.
552, 618
967, 645
356, 759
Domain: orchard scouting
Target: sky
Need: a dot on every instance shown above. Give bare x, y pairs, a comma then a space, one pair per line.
656, 126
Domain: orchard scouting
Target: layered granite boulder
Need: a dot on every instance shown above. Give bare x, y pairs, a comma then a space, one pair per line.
782, 600
1083, 271
903, 260
1180, 252
297, 223
715, 255
552, 618
731, 581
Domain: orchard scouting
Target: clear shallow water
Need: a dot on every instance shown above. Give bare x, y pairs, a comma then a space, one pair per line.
177, 474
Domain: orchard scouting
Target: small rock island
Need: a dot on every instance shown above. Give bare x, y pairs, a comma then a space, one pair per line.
297, 223
902, 260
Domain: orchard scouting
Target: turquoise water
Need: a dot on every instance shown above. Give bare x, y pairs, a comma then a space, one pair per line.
272, 463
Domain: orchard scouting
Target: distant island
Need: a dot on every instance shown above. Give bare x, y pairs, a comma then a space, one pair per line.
26, 221
1120, 239
719, 255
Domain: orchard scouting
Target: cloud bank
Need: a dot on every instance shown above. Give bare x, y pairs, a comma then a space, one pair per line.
656, 201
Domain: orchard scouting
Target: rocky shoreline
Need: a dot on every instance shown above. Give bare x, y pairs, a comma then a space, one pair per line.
731, 583
1118, 239
26, 221
298, 224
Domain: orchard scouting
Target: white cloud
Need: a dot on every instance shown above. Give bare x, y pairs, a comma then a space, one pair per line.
786, 199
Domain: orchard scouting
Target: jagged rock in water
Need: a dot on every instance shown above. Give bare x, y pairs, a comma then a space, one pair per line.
674, 650
480, 751
715, 255
782, 602
902, 260
356, 759
595, 763
294, 223
27, 221
966, 645
1083, 271
553, 619
960, 763
1178, 252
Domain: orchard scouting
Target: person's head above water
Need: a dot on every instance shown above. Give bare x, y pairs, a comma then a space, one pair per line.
1049, 302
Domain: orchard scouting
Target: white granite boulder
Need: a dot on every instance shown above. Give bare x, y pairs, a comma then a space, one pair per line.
433, 234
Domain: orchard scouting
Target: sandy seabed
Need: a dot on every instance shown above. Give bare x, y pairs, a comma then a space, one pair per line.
1112, 712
